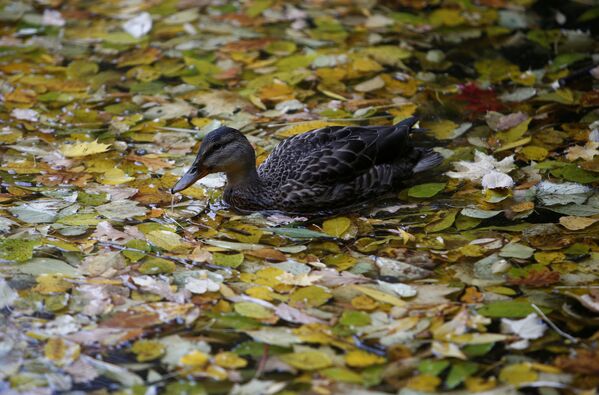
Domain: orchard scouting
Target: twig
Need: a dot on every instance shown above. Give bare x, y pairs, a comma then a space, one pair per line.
262, 363
552, 324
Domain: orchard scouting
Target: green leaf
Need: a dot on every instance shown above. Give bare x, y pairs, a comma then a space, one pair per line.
297, 233
432, 366
516, 250
343, 375
136, 244
459, 372
354, 318
157, 266
227, 260
478, 213
426, 190
87, 219
477, 350
39, 212
18, 250
509, 309
92, 199
574, 173
37, 266
444, 223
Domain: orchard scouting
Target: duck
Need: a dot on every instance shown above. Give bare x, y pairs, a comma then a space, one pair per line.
326, 169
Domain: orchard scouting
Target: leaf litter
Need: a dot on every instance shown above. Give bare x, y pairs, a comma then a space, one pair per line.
479, 277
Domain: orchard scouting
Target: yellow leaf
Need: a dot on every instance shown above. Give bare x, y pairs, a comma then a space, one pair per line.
380, 296
252, 310
364, 302
365, 65
476, 338
268, 276
312, 295
303, 127
514, 133
51, 283
405, 236
83, 149
532, 152
336, 227
547, 257
308, 360
115, 176
478, 384
404, 111
229, 360
443, 130
61, 352
576, 223
424, 383
517, 374
261, 292
147, 350
244, 233
164, 239
216, 372
362, 359
195, 359
545, 368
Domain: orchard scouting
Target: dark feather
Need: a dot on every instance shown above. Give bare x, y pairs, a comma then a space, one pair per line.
336, 165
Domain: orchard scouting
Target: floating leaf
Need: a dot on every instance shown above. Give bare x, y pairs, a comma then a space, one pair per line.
83, 149
147, 350
227, 260
164, 239
336, 227
577, 223
252, 310
307, 360
310, 296
508, 309
426, 190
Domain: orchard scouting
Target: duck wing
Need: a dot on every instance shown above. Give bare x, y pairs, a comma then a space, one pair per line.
335, 154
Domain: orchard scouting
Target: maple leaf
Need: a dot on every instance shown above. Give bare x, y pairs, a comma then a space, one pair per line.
485, 169
83, 149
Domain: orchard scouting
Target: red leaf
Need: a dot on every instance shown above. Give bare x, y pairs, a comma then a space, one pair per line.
479, 100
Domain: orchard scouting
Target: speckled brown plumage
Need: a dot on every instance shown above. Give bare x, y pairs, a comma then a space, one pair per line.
325, 169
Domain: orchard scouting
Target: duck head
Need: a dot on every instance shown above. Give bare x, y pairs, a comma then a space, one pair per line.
223, 150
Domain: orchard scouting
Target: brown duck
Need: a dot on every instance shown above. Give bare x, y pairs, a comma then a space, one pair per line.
322, 170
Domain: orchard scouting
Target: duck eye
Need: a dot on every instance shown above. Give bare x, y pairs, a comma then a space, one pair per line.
212, 148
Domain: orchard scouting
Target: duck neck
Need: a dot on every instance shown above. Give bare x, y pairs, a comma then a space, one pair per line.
243, 177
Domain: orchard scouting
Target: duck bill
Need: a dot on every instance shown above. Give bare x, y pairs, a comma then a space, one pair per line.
189, 179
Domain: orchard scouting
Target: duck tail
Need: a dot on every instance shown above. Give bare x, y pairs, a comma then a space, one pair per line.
407, 123
428, 160
411, 124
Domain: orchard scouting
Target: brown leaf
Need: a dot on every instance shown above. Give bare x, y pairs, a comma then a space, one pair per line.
537, 278
472, 295
584, 362
147, 315
269, 254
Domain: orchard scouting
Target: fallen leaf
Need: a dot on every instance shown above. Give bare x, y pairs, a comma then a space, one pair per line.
83, 149
576, 223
